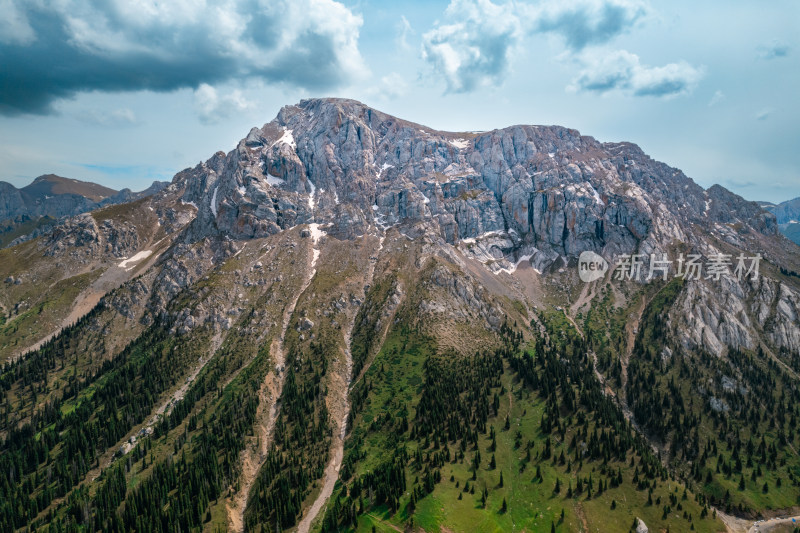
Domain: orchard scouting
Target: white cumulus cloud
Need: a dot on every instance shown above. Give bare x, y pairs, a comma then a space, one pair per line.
622, 71
391, 86
212, 107
475, 46
475, 43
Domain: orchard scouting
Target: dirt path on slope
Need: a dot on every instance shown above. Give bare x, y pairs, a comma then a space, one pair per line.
107, 458
734, 524
770, 525
340, 416
631, 329
582, 517
586, 296
340, 412
269, 394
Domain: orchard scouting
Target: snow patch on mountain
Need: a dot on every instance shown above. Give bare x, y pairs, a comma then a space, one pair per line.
286, 138
127, 264
214, 202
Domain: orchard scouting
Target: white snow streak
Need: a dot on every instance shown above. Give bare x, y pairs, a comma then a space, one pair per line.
214, 202
274, 180
127, 264
384, 167
286, 138
596, 195
311, 195
471, 240
515, 265
316, 235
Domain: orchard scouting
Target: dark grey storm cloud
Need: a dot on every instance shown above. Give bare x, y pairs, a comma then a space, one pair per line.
56, 52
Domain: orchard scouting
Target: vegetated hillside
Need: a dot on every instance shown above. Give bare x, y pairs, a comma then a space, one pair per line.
52, 185
352, 322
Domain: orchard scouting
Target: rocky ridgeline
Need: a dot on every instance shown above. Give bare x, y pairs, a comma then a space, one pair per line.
16, 203
56, 197
549, 191
83, 236
543, 193
538, 193
449, 223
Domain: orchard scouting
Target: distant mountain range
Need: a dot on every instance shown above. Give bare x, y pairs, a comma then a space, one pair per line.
32, 209
788, 216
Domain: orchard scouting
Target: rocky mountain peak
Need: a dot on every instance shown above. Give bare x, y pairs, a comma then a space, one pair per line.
547, 192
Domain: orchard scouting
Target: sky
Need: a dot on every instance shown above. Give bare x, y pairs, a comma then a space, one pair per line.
125, 92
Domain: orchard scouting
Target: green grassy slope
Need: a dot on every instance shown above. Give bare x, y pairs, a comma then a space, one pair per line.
728, 423
533, 415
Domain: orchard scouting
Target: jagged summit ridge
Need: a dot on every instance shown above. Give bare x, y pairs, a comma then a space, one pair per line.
548, 191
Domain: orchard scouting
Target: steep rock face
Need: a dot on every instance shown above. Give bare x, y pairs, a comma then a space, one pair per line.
730, 313
780, 311
538, 193
726, 207
76, 235
84, 235
550, 190
11, 202
787, 211
714, 319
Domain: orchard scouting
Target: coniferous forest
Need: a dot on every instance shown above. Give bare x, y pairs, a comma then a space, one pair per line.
528, 429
